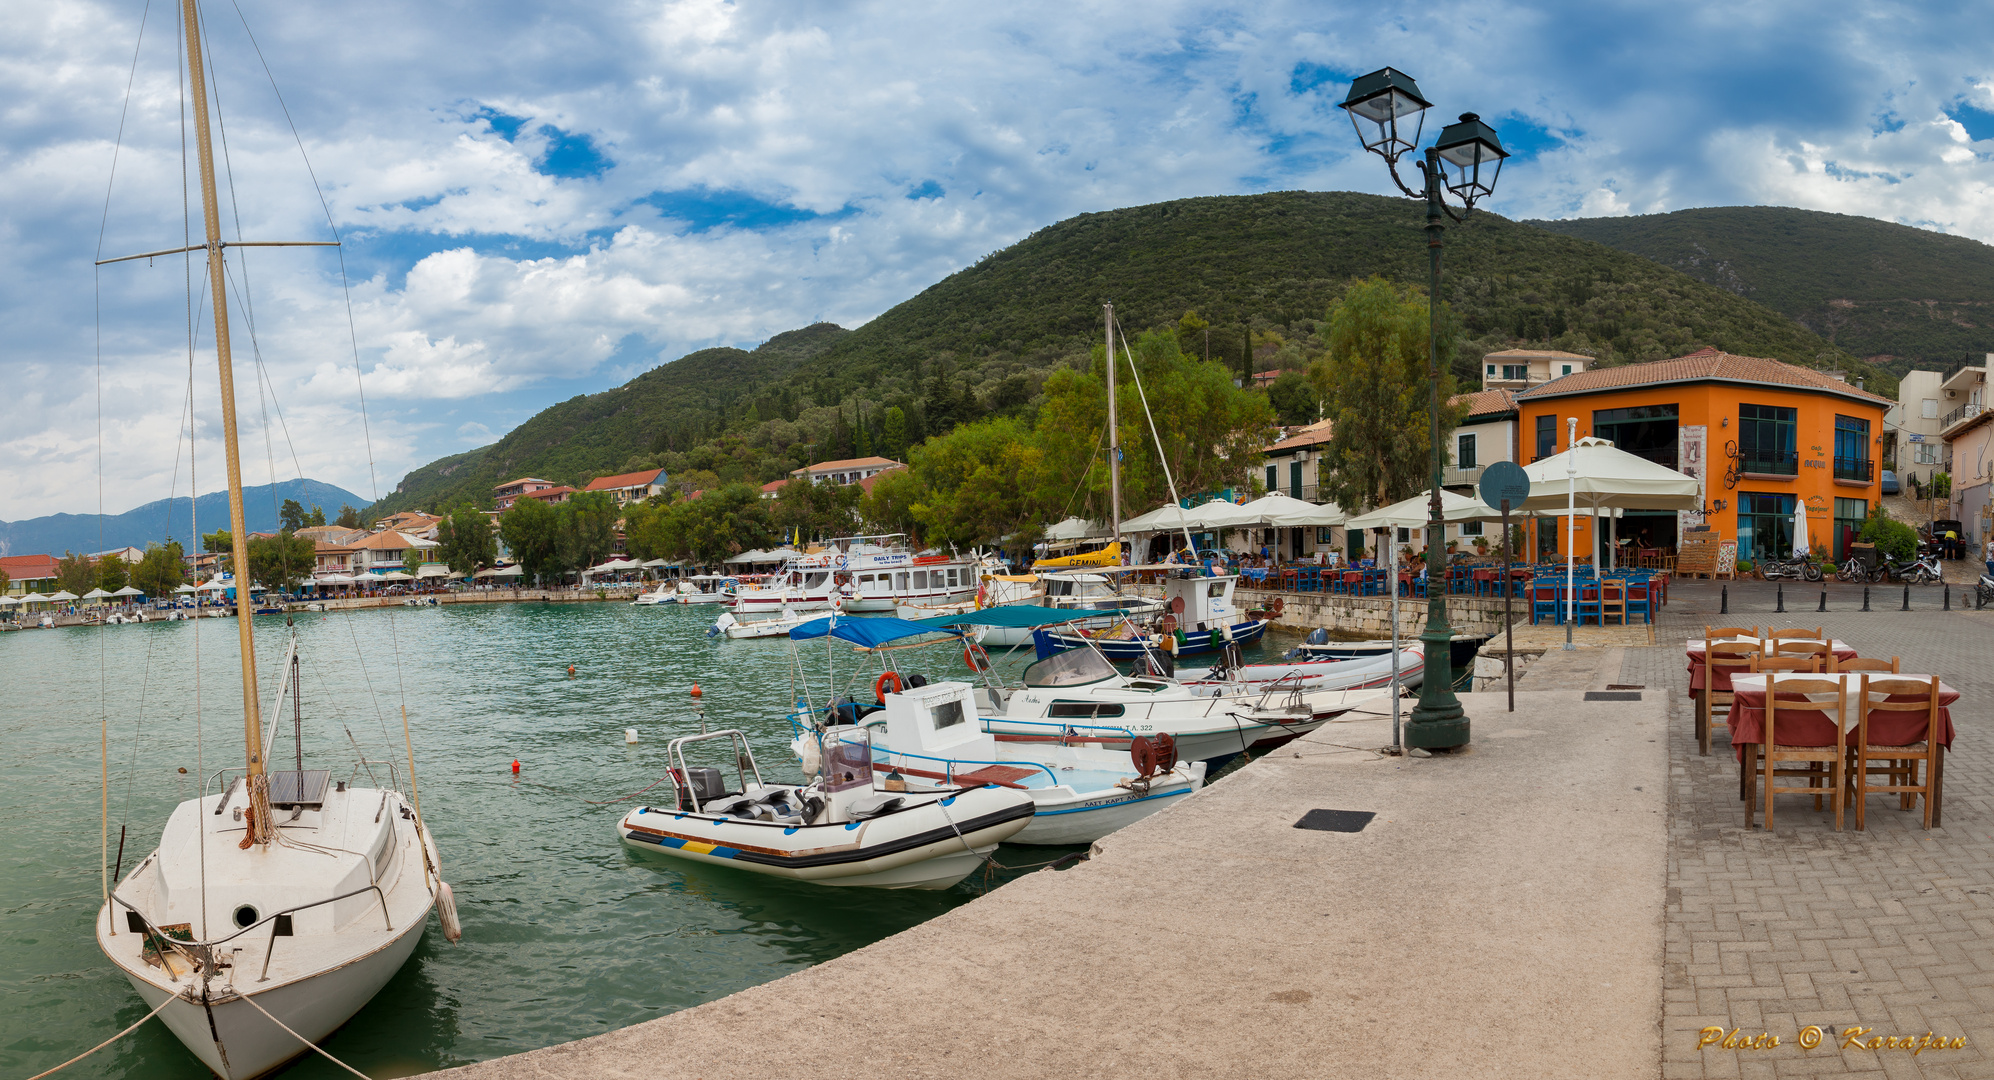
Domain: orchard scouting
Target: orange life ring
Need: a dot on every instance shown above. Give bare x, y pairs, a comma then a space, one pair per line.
975, 656
879, 685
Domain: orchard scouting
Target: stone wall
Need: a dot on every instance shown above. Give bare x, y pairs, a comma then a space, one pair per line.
1478, 616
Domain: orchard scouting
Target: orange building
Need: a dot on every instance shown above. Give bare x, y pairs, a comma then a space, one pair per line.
1761, 437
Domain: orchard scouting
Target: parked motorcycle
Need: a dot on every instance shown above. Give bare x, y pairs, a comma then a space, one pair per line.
1802, 568
1922, 570
1985, 590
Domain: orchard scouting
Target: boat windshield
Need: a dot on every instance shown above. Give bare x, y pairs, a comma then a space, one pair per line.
1075, 667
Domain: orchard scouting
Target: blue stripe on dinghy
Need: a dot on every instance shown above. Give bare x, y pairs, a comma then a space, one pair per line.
718, 851
1111, 806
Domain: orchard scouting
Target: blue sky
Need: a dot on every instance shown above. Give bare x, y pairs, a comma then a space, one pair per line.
543, 200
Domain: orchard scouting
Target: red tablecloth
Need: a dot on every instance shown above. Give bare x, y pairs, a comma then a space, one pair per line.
1841, 650
1798, 728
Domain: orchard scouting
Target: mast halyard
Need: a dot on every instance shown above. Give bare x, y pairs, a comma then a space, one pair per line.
1114, 433
252, 721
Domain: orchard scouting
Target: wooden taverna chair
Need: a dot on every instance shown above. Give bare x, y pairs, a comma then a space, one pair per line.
1720, 662
1826, 762
1902, 767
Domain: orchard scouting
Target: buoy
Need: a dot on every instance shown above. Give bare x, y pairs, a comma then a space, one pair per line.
571, 671
446, 911
515, 766
629, 735
696, 691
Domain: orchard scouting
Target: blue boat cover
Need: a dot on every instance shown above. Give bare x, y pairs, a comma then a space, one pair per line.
874, 632
1021, 616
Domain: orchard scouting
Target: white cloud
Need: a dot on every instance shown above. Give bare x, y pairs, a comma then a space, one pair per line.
476, 274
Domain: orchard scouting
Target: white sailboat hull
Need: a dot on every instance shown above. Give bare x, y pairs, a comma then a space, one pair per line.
239, 1043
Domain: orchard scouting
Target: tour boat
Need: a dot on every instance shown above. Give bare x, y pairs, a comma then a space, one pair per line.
277, 902
1199, 616
840, 828
882, 579
805, 583
929, 735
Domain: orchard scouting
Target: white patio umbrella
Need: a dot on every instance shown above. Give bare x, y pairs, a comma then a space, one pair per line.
65, 595
95, 594
396, 575
212, 585
1799, 528
655, 563
432, 570
184, 589
129, 591
33, 598
1416, 512
506, 571
1287, 512
9, 601
1077, 528
1593, 472
754, 555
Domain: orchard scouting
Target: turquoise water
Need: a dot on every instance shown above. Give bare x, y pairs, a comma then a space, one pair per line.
566, 934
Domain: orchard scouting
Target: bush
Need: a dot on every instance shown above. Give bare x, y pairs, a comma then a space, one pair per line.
1893, 539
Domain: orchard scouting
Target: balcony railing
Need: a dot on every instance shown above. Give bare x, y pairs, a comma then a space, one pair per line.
1964, 412
1862, 469
1769, 462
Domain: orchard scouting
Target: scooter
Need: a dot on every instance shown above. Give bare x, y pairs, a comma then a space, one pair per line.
1985, 590
1922, 570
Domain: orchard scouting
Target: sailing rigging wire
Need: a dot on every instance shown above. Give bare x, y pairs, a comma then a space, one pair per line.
1161, 458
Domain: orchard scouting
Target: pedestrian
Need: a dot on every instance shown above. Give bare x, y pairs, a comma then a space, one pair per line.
1989, 552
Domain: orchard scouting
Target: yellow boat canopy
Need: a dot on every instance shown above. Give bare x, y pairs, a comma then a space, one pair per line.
1107, 556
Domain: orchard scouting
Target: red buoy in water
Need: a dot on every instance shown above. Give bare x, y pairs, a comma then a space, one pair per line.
515, 766
696, 691
571, 671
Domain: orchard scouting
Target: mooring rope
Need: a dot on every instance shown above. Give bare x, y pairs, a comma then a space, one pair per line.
252, 1002
162, 1006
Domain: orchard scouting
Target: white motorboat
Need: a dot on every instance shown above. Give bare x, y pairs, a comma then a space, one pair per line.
665, 593
881, 579
284, 901
838, 829
703, 589
1358, 674
806, 583
929, 735
777, 625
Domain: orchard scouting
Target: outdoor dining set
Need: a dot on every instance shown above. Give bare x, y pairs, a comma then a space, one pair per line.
1808, 716
1613, 596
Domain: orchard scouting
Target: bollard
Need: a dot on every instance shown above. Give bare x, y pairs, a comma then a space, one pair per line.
1780, 608
1824, 601
1948, 606
1865, 598
1907, 599
1724, 601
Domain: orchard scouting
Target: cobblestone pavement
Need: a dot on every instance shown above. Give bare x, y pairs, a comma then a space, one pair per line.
1891, 929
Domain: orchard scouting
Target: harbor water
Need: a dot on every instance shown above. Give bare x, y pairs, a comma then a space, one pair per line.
566, 934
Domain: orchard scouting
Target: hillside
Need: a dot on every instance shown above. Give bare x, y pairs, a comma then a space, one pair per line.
1261, 268
166, 518
1905, 297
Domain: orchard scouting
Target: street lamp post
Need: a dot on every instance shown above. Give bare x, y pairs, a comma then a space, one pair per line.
1454, 162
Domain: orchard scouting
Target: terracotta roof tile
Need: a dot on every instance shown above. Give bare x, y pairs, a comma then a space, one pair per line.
848, 463
1315, 434
1488, 402
1701, 366
1542, 352
623, 480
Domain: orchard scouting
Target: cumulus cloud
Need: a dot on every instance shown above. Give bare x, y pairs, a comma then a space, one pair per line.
551, 197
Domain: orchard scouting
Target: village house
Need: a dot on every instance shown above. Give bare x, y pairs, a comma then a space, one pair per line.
847, 471
29, 574
1521, 369
504, 495
630, 487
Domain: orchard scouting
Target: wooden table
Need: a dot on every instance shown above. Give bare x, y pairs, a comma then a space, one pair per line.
1817, 729
1694, 648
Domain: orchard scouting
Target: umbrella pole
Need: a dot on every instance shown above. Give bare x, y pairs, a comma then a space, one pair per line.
1571, 532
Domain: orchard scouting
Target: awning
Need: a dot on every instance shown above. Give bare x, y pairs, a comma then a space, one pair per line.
1417, 512
1019, 616
1287, 512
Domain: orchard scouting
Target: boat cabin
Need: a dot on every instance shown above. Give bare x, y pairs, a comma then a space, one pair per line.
936, 720
1201, 603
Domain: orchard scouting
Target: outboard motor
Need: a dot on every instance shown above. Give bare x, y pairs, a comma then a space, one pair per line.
1318, 636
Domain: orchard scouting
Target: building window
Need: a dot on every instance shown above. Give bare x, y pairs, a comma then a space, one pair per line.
1516, 372
1765, 525
1295, 479
1852, 449
1646, 431
1471, 528
1766, 442
1928, 454
1492, 369
1547, 436
1464, 453
1849, 515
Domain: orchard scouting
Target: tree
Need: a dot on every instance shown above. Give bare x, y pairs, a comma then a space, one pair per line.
977, 483
531, 531
817, 510
893, 436
161, 570
890, 505
643, 530
291, 516
467, 539
219, 542
75, 573
1293, 397
349, 517
1374, 385
113, 573
719, 523
1892, 538
279, 562
316, 517
412, 560
4, 582
587, 529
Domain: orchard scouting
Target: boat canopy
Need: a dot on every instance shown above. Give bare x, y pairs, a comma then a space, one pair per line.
874, 632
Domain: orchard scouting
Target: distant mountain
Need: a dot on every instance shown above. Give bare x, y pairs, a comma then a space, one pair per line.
167, 518
1900, 296
1266, 263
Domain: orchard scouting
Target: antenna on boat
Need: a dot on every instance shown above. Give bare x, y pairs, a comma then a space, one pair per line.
260, 826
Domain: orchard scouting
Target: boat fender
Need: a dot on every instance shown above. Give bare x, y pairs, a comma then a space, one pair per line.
1225, 632
879, 685
446, 912
975, 656
813, 758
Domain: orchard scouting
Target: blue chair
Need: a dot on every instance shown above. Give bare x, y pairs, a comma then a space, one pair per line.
1589, 603
1638, 594
1544, 604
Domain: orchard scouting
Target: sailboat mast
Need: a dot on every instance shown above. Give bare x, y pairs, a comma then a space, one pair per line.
1114, 431
252, 721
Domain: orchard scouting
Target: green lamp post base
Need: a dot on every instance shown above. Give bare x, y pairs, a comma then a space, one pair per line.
1438, 721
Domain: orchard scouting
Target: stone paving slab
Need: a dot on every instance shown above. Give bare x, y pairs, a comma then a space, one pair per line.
1891, 929
1500, 917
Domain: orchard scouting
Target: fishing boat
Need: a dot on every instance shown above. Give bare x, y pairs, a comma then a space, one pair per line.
1198, 616
929, 735
777, 625
840, 828
1461, 649
277, 902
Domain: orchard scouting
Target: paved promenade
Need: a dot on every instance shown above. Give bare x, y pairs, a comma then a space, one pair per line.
1499, 917
1891, 929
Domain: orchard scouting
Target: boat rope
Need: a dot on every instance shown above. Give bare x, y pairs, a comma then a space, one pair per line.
170, 999
321, 1051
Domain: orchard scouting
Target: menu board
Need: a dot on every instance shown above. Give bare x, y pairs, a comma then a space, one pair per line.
1727, 558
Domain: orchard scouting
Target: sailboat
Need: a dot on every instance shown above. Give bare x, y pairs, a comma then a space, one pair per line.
276, 906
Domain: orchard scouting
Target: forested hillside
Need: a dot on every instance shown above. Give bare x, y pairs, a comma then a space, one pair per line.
1901, 296
1259, 272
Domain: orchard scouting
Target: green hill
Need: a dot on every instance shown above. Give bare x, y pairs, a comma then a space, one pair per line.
1901, 296
1260, 268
